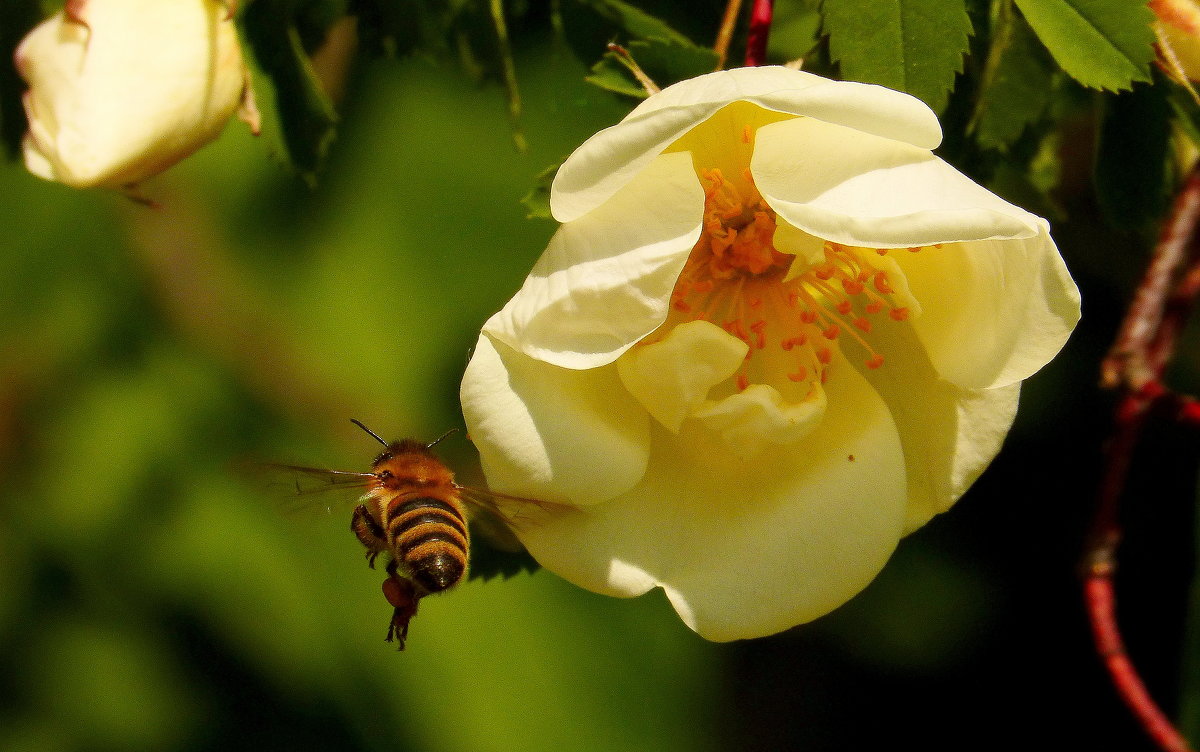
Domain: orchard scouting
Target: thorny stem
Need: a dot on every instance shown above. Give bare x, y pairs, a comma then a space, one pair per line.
1134, 366
725, 33
760, 25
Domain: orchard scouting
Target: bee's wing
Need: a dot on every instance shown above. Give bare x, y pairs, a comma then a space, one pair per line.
297, 483
514, 512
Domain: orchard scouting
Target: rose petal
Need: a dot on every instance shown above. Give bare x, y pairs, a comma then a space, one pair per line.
611, 158
605, 280
671, 378
949, 434
552, 433
746, 548
759, 416
860, 189
993, 312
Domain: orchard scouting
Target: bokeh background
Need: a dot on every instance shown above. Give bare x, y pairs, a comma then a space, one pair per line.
154, 596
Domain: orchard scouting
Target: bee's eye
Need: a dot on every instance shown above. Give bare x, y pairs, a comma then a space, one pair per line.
384, 474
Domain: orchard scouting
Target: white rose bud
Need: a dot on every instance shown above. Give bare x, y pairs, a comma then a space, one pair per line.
120, 90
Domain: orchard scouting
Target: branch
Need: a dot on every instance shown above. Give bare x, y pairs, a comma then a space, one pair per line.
1134, 366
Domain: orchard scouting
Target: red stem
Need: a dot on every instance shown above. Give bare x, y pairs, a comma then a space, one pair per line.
760, 27
1135, 366
1101, 600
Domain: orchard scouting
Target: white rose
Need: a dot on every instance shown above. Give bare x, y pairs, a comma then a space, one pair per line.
120, 90
774, 334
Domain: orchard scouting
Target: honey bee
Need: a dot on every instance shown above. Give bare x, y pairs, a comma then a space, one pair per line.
414, 512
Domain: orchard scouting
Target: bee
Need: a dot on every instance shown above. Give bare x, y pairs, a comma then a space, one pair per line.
414, 512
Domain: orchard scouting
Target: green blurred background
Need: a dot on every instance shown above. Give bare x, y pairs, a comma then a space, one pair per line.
152, 597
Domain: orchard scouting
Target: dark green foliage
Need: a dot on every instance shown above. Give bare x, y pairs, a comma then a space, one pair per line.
663, 61
488, 560
282, 33
17, 17
537, 201
1102, 44
915, 46
1018, 83
1133, 175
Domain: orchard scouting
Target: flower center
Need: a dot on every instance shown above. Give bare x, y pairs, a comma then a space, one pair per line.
791, 312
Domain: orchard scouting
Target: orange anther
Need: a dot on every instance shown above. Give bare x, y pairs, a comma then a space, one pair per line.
799, 375
844, 307
852, 286
791, 342
898, 314
825, 355
745, 134
742, 382
823, 272
882, 284
831, 332
863, 323
875, 306
682, 305
808, 316
874, 361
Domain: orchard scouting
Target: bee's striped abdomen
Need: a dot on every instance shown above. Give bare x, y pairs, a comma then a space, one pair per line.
430, 537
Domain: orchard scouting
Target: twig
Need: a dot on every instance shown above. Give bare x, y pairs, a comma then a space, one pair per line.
1135, 366
760, 26
725, 32
1133, 359
624, 58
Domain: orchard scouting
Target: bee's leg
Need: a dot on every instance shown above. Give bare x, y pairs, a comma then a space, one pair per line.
403, 596
369, 533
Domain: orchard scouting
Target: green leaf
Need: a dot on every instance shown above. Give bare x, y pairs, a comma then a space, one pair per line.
1018, 81
1102, 44
795, 30
637, 23
664, 62
306, 115
915, 46
1133, 174
17, 17
537, 201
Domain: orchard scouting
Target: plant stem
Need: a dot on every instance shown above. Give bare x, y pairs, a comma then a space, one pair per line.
760, 25
1135, 366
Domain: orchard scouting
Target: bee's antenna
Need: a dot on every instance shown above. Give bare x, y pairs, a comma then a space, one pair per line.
435, 442
375, 435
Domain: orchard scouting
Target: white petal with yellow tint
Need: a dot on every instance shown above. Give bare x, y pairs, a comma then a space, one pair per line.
611, 158
860, 189
806, 247
993, 312
949, 434
605, 280
746, 548
758, 416
544, 432
672, 377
